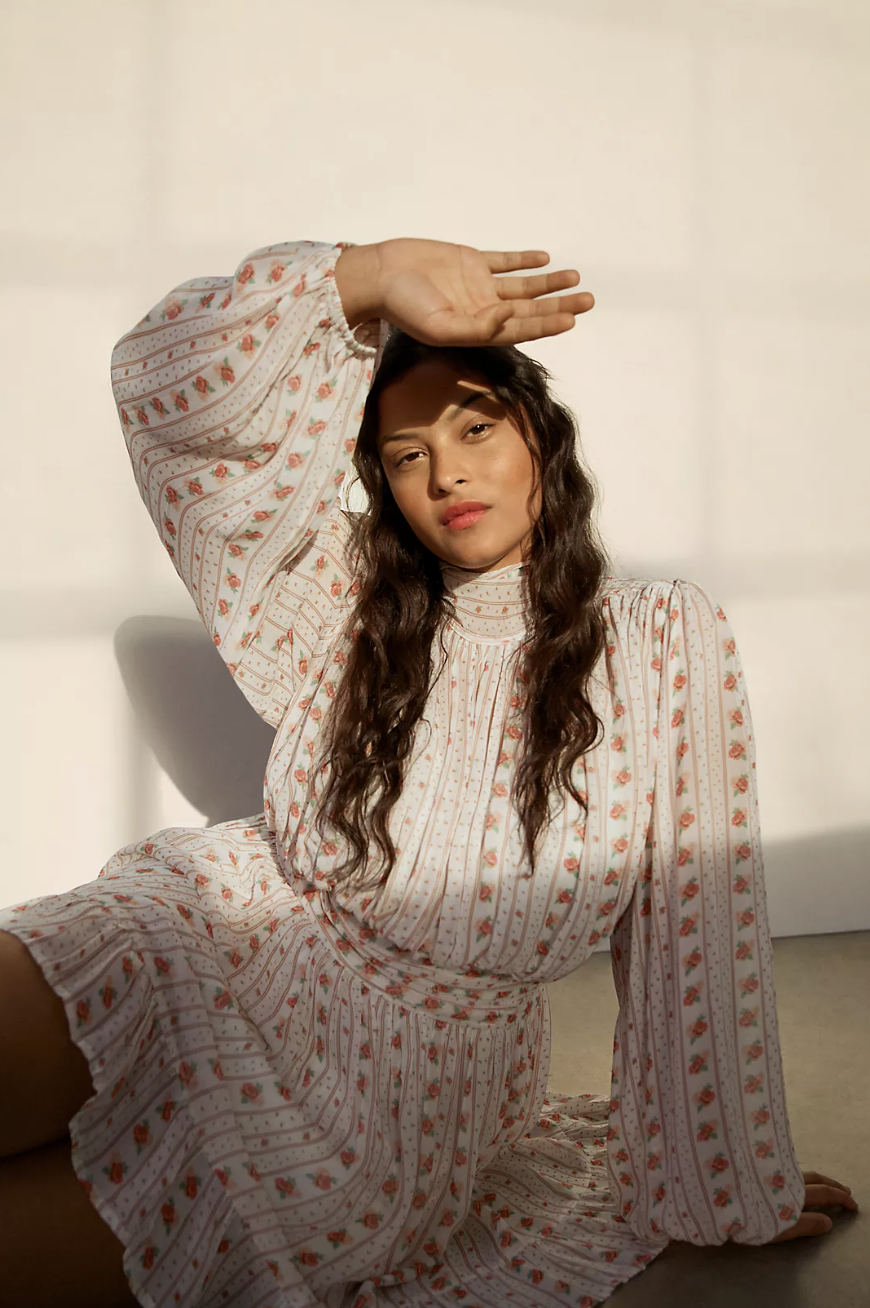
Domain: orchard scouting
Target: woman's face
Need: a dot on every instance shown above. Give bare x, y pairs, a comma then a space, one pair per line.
444, 438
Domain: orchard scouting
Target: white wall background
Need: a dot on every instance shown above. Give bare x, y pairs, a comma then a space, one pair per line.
704, 165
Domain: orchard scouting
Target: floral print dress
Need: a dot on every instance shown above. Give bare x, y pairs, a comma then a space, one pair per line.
314, 1097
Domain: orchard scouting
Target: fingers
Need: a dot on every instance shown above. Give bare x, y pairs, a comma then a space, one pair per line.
533, 319
806, 1225
507, 323
511, 260
573, 304
814, 1223
820, 1195
517, 329
527, 288
824, 1190
821, 1191
484, 329
818, 1178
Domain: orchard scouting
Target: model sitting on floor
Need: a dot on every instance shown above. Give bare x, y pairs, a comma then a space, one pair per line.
300, 1058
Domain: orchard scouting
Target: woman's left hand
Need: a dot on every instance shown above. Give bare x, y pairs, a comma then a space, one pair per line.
822, 1192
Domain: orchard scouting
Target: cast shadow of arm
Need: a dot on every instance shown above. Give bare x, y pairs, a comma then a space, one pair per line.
201, 729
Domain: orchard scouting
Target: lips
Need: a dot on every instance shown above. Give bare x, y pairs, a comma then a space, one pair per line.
466, 506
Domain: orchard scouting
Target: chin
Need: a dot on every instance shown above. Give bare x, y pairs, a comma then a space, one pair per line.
479, 564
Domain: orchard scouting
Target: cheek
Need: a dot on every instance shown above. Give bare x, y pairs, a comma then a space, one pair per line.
516, 471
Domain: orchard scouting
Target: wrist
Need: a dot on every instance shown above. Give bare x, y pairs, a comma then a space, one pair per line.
357, 275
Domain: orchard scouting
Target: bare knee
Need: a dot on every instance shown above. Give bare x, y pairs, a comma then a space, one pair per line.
45, 1077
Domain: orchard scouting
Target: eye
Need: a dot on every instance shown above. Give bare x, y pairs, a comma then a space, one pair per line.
411, 453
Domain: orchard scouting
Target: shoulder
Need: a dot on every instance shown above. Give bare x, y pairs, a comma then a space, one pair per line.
621, 592
659, 607
633, 597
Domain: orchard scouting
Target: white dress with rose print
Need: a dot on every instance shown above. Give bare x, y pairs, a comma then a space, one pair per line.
308, 1097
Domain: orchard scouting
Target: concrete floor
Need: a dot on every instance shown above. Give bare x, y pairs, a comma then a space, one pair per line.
823, 1005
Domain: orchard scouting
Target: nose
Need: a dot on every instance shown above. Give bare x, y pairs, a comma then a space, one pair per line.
445, 469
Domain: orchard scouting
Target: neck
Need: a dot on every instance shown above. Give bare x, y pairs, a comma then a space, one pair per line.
491, 604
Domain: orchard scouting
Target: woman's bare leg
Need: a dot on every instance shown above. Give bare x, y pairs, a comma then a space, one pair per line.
45, 1077
55, 1249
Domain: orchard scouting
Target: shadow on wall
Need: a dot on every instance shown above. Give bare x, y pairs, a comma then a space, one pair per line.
201, 729
208, 739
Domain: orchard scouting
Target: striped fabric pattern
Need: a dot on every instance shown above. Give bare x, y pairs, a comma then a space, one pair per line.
312, 1097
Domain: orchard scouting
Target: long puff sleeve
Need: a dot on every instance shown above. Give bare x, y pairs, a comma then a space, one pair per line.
699, 1143
240, 400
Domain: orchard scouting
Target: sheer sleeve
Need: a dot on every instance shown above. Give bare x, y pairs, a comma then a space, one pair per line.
240, 400
699, 1145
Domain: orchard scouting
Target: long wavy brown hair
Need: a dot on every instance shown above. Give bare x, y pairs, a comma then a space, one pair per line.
402, 605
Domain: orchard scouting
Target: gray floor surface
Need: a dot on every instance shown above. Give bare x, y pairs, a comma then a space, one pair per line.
823, 1004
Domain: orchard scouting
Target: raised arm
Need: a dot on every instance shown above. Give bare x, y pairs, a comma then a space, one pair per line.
240, 399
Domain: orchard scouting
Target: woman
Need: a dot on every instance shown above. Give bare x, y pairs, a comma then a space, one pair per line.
309, 1048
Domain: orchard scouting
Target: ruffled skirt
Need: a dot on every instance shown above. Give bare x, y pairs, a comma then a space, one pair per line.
270, 1131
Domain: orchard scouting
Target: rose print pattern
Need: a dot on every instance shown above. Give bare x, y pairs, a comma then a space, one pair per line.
321, 1098
699, 1143
209, 386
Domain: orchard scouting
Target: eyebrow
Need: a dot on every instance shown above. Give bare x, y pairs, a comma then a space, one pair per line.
452, 412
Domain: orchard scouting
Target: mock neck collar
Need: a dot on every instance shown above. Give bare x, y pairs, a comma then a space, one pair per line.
489, 605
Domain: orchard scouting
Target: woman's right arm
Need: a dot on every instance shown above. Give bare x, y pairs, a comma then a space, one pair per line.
240, 399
